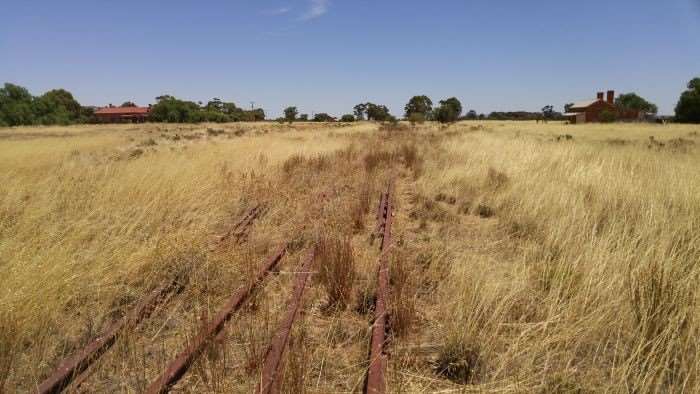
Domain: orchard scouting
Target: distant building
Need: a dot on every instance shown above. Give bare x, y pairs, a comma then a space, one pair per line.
590, 110
113, 114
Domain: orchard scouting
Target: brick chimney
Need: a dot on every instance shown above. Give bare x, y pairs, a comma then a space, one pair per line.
611, 96
600, 95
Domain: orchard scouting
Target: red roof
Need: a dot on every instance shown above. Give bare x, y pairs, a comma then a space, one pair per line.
122, 111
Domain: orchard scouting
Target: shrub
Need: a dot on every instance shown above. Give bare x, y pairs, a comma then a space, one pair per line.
608, 116
416, 117
337, 269
347, 118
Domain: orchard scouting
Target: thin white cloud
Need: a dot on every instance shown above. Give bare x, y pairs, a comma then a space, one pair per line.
277, 11
317, 8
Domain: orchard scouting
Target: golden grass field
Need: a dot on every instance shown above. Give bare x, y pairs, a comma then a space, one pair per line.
528, 257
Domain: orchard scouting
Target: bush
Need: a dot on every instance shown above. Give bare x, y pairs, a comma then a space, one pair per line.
337, 272
608, 116
416, 117
347, 118
448, 111
688, 107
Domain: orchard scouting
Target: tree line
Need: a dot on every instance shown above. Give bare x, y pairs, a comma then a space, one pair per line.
59, 107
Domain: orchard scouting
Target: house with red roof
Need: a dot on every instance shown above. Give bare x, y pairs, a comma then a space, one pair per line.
112, 114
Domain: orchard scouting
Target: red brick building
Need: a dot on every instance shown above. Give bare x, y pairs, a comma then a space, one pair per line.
590, 110
122, 114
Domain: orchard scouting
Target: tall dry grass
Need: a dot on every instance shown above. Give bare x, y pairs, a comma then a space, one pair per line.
522, 262
598, 291
87, 226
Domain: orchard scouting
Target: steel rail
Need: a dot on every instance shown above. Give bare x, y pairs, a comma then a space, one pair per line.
375, 382
179, 366
272, 366
75, 364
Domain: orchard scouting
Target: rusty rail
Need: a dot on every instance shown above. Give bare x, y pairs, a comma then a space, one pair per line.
239, 229
78, 362
179, 366
272, 366
375, 383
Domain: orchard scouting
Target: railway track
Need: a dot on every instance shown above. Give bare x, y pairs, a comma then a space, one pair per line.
375, 381
273, 364
74, 369
213, 331
179, 366
74, 366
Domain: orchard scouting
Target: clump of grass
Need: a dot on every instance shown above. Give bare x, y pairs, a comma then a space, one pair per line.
495, 179
361, 207
319, 162
402, 297
9, 346
337, 269
411, 158
215, 132
148, 142
459, 363
662, 299
376, 158
135, 153
293, 162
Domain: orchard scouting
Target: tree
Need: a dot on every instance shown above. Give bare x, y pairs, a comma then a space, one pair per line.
128, 104
419, 104
215, 105
323, 117
376, 112
347, 118
290, 114
16, 106
632, 102
258, 114
471, 115
688, 107
360, 110
448, 111
57, 106
304, 117
547, 112
170, 109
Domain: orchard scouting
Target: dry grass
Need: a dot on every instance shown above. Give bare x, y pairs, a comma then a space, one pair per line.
523, 262
337, 269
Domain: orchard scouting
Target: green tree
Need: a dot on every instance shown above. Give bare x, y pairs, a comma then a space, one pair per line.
290, 114
471, 115
16, 106
173, 110
631, 101
57, 107
376, 112
448, 111
304, 117
323, 117
688, 107
419, 104
128, 104
215, 105
360, 110
347, 118
547, 112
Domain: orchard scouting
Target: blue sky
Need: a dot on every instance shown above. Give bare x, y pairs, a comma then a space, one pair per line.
328, 55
